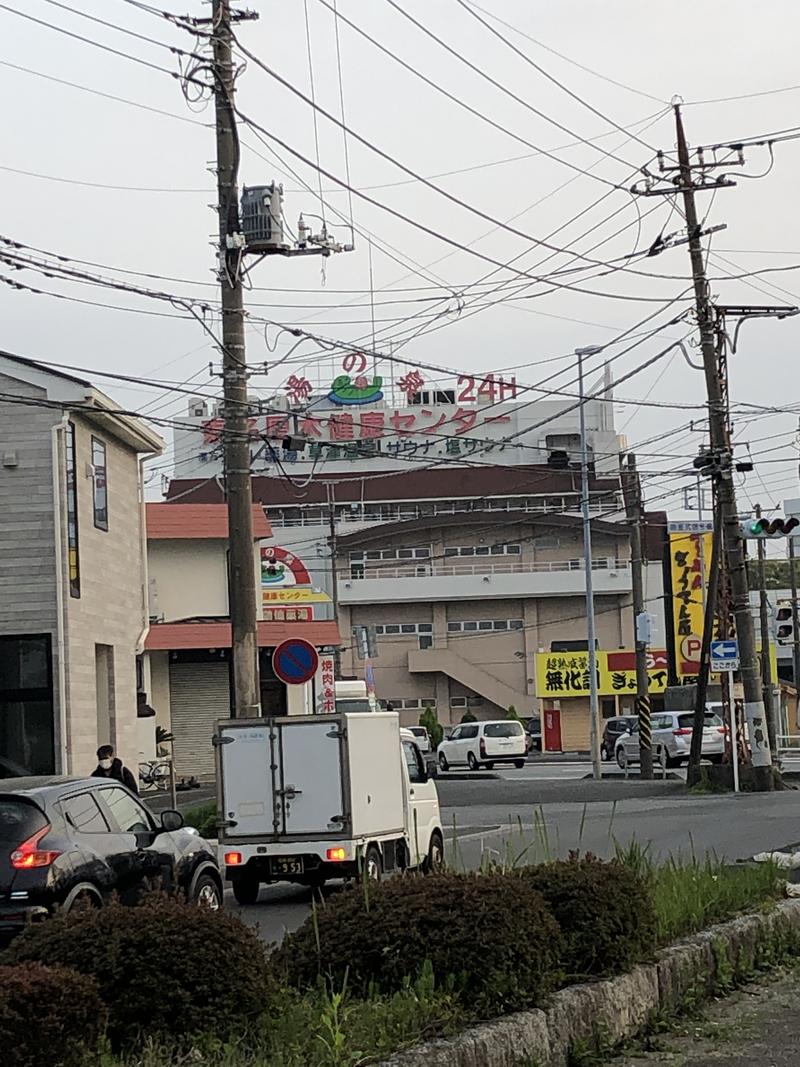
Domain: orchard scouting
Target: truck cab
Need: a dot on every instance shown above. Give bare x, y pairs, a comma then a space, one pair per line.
306, 799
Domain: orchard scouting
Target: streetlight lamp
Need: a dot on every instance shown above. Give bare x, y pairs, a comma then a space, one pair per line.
594, 704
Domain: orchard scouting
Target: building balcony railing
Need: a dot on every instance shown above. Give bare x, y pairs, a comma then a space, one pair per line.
420, 569
370, 514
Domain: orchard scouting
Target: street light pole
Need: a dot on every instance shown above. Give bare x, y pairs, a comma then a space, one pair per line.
594, 704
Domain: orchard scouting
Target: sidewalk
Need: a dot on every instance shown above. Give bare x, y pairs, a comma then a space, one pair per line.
758, 1026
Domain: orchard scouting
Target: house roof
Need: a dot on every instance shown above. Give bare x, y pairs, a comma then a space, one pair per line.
387, 530
439, 482
180, 522
174, 636
79, 395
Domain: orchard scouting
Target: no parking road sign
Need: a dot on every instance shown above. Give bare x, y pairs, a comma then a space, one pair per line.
295, 661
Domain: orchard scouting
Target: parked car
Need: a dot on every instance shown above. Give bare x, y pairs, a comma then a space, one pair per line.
533, 729
672, 731
67, 841
421, 736
482, 744
613, 730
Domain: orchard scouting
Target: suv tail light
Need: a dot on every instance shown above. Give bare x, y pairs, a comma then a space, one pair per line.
483, 748
29, 855
684, 731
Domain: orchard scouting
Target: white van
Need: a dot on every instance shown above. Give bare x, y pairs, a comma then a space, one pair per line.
482, 744
308, 798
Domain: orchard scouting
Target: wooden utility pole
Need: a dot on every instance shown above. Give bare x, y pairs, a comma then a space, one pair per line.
632, 493
236, 441
720, 447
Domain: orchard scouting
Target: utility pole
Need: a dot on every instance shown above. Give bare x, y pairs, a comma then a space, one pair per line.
236, 441
632, 492
734, 547
795, 617
337, 652
766, 666
720, 444
594, 702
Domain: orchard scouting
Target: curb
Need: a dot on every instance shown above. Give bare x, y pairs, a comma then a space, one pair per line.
603, 1014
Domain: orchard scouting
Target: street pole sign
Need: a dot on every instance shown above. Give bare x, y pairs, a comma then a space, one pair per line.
724, 656
295, 661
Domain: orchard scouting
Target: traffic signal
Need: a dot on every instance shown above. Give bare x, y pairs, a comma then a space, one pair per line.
784, 625
764, 528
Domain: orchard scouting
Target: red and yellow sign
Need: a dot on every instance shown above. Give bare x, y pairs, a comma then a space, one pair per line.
566, 674
690, 565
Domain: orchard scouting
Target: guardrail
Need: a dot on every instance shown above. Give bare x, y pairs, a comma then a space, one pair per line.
448, 570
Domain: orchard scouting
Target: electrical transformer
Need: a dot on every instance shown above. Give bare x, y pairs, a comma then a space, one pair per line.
262, 216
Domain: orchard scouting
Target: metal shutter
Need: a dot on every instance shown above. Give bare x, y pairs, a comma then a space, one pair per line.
199, 695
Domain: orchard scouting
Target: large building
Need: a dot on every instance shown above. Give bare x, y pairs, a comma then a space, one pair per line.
73, 571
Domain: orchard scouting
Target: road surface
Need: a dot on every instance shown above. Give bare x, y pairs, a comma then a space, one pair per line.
546, 810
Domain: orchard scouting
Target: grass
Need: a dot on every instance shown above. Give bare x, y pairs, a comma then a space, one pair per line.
320, 1029
203, 818
690, 893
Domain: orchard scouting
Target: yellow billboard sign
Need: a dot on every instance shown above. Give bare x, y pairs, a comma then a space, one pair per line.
690, 565
292, 594
566, 674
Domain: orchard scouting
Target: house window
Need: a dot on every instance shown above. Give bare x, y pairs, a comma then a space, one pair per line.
425, 641
72, 515
100, 484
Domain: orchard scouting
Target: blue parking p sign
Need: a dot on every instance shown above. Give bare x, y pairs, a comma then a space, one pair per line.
724, 655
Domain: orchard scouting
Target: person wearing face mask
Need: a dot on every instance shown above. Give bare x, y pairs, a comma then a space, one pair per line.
111, 766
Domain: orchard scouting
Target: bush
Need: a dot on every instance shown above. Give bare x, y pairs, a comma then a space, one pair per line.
49, 1015
513, 714
605, 910
204, 819
167, 967
435, 729
492, 935
469, 716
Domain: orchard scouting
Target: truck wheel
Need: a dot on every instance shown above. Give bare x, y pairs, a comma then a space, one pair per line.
472, 763
434, 861
373, 864
245, 889
519, 764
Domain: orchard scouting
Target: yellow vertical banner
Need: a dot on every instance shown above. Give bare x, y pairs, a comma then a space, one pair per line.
690, 566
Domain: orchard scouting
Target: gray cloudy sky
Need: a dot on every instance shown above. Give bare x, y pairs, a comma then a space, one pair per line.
699, 51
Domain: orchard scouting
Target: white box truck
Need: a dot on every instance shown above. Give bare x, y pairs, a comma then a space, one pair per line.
309, 798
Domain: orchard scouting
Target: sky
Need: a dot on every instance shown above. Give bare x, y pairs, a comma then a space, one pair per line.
130, 188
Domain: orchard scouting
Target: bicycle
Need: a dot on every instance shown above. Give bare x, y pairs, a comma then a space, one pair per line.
155, 774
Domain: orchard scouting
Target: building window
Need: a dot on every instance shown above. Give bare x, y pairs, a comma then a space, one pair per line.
410, 703
27, 743
485, 624
425, 641
484, 550
72, 515
100, 484
458, 702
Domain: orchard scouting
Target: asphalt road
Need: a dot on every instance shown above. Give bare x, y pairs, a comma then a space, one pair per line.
546, 810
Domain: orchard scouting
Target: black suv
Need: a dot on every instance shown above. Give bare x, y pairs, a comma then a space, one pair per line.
614, 729
67, 840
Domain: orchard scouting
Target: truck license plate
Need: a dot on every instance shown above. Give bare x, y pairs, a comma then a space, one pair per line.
287, 865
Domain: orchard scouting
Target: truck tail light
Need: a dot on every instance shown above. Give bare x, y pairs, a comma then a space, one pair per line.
483, 748
233, 859
336, 855
685, 731
29, 855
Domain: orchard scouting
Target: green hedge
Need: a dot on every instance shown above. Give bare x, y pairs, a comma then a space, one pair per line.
49, 1015
605, 911
491, 935
163, 968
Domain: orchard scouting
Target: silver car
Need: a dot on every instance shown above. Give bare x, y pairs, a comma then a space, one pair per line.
672, 735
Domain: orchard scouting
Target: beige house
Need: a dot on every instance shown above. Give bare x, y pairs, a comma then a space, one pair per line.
73, 569
188, 662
